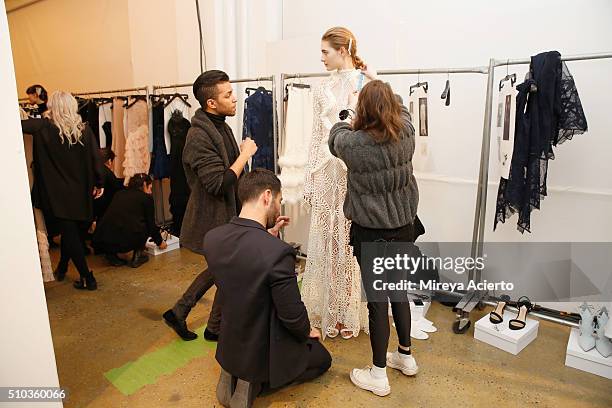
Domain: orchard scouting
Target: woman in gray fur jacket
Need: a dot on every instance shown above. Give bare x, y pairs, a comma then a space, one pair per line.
381, 201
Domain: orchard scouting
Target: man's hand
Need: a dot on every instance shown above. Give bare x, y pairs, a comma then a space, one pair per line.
97, 192
163, 245
314, 334
281, 221
248, 147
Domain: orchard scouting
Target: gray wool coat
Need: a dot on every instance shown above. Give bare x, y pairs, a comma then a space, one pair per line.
205, 160
382, 191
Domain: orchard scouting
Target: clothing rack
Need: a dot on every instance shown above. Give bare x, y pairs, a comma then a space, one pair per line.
476, 298
414, 71
271, 79
114, 91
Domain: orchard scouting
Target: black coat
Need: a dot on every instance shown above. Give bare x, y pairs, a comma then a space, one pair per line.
264, 324
127, 224
64, 174
111, 185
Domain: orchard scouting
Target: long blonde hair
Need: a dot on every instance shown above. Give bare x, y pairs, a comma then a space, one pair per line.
63, 110
339, 37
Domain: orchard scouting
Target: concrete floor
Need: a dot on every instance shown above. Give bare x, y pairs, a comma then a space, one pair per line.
94, 332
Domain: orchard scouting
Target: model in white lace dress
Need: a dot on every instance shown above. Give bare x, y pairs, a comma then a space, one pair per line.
331, 287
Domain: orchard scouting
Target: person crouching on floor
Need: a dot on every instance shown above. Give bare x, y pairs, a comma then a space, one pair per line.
266, 340
128, 222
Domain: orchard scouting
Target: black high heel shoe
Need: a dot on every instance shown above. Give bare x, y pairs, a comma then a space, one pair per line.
497, 315
524, 306
86, 282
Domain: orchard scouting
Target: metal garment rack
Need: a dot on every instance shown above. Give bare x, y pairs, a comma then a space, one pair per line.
425, 71
272, 80
114, 91
416, 71
478, 298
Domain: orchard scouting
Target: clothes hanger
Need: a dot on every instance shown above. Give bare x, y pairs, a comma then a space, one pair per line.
511, 78
176, 95
446, 92
134, 98
419, 84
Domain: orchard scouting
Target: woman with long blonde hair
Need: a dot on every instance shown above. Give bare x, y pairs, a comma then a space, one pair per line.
67, 177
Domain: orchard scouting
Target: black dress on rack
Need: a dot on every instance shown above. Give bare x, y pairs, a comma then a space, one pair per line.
160, 159
548, 112
89, 110
179, 189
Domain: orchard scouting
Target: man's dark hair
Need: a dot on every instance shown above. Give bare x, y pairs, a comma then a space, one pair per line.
138, 180
106, 154
205, 86
252, 184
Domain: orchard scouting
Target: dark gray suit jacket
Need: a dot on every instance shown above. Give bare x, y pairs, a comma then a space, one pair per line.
264, 326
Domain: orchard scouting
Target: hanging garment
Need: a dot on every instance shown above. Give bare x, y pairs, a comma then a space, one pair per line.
331, 287
39, 219
294, 149
137, 156
118, 144
418, 109
505, 124
258, 125
176, 105
548, 112
88, 109
105, 116
179, 189
160, 159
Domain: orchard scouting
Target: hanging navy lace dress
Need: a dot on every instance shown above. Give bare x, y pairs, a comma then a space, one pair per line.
258, 124
548, 113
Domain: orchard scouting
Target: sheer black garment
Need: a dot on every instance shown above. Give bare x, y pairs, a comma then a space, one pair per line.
548, 112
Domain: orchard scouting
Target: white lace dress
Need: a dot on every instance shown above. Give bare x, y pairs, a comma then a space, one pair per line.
331, 287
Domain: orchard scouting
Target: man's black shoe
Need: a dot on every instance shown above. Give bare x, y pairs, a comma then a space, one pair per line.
210, 336
180, 327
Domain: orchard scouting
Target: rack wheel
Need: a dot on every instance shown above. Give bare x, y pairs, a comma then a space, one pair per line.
461, 325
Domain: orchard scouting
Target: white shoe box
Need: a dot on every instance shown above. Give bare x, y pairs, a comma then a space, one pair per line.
512, 341
590, 361
172, 242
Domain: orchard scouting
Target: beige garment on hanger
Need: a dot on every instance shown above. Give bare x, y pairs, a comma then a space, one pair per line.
118, 146
39, 220
137, 155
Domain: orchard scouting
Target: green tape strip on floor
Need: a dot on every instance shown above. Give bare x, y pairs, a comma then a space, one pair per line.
134, 375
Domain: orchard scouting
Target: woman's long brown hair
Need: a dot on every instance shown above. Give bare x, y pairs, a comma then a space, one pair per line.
379, 112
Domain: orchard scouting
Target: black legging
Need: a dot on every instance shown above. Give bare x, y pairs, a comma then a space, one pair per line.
378, 311
72, 245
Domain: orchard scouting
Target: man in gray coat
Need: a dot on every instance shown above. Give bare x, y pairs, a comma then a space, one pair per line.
213, 163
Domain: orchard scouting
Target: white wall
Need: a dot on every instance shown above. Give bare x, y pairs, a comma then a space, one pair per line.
396, 34
26, 350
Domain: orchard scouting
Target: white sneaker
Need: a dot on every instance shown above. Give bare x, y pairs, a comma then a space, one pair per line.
407, 365
423, 325
362, 377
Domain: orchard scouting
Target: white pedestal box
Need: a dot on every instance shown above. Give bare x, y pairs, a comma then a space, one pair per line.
590, 361
172, 241
512, 341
